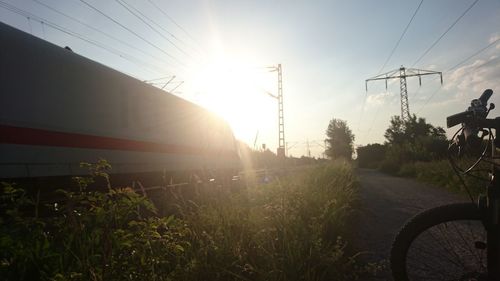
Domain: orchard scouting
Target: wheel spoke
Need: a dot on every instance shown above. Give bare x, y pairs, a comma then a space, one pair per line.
445, 251
439, 244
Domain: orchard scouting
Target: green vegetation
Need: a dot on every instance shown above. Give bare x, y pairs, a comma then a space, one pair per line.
419, 150
407, 141
339, 140
371, 155
441, 174
289, 229
266, 159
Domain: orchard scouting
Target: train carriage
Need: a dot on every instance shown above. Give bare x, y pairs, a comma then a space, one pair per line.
58, 109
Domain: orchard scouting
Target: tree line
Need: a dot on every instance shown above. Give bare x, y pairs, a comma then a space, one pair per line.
406, 141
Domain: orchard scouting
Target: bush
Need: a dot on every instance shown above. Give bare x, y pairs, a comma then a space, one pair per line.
290, 229
90, 236
371, 155
407, 170
389, 166
441, 174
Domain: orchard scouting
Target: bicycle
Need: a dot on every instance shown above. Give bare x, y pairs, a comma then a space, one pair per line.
459, 241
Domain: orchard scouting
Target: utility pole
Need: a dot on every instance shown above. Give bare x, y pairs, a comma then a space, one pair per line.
402, 73
281, 117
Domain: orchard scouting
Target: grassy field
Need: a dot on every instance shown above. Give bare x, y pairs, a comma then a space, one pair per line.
293, 228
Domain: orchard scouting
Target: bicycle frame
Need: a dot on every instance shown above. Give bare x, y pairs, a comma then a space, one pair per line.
410, 251
489, 205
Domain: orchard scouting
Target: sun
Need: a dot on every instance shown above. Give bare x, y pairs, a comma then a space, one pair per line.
238, 92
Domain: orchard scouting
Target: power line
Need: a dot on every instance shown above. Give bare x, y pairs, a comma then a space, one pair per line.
431, 47
460, 63
401, 37
457, 65
26, 14
427, 101
389, 57
131, 31
474, 54
487, 62
373, 121
446, 31
402, 73
97, 30
136, 13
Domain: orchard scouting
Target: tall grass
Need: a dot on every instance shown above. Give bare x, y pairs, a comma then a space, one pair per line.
441, 174
289, 229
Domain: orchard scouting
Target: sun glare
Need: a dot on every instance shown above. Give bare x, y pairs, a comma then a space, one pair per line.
238, 93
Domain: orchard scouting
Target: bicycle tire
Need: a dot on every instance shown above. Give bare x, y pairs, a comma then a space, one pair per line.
414, 257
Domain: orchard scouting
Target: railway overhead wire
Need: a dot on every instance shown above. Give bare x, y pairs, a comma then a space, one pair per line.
162, 11
139, 15
112, 50
133, 32
100, 31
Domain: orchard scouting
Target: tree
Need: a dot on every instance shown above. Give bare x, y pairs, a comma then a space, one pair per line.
411, 131
414, 140
396, 133
339, 140
370, 155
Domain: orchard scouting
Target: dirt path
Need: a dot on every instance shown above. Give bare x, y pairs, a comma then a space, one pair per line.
386, 204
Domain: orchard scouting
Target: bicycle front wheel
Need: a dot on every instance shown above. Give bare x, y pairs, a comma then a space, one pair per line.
443, 243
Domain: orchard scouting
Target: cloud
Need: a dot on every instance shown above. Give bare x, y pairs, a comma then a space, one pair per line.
380, 99
472, 79
493, 38
469, 80
478, 75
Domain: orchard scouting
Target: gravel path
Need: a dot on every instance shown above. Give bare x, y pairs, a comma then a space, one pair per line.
386, 204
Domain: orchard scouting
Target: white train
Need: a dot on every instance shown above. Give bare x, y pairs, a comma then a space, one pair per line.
58, 109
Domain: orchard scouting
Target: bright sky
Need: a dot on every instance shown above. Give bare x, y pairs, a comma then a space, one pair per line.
327, 50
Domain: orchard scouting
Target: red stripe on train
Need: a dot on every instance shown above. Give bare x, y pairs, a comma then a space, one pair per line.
31, 136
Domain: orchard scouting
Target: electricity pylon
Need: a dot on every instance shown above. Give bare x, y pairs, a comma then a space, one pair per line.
281, 117
402, 73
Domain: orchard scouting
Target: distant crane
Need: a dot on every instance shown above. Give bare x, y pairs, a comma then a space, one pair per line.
402, 73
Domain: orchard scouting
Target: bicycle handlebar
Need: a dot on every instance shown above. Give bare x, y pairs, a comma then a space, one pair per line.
458, 118
474, 120
485, 96
475, 114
